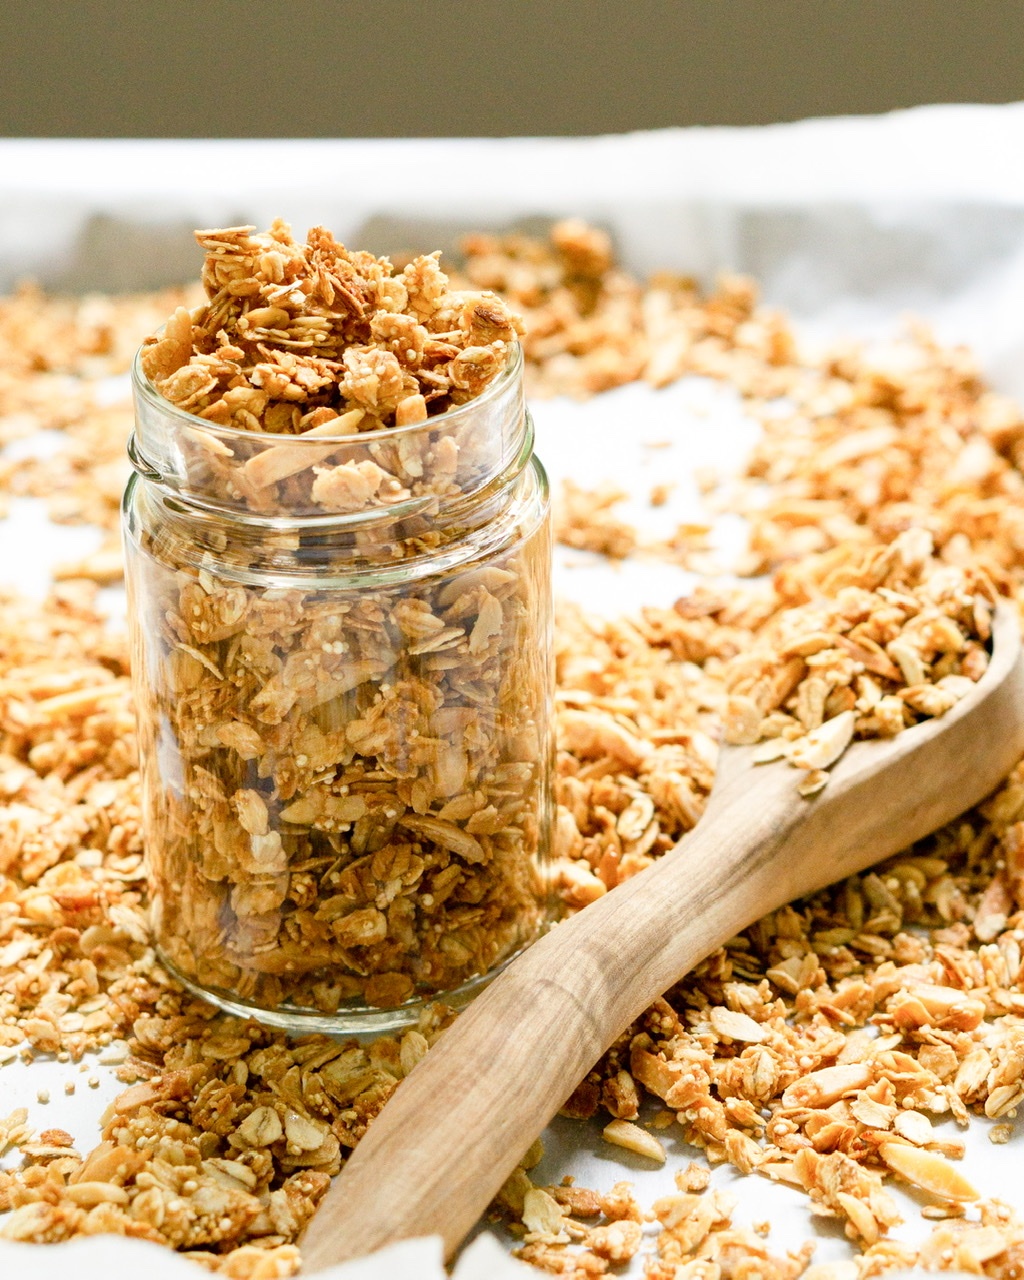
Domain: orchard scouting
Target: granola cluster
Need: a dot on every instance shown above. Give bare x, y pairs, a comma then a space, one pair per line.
586, 520
818, 1049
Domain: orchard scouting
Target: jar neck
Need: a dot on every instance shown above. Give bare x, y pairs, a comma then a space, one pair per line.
438, 471
392, 530
304, 556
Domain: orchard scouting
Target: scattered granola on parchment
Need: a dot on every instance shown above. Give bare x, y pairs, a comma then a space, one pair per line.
585, 520
590, 326
57, 359
818, 1049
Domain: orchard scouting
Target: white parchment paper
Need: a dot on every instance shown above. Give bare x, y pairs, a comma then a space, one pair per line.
848, 223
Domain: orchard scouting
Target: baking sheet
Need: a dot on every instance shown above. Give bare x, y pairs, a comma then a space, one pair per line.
847, 223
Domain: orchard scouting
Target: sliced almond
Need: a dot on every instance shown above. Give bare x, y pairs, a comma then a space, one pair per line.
928, 1171
629, 1136
822, 1088
736, 1026
283, 460
541, 1213
823, 746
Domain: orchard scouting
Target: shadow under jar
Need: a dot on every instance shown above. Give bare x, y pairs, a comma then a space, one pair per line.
341, 653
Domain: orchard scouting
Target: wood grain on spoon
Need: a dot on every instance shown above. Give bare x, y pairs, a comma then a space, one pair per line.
448, 1139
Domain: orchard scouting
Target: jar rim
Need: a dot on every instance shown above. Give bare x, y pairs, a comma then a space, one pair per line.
145, 388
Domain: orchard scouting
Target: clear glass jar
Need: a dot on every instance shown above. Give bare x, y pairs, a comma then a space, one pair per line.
343, 676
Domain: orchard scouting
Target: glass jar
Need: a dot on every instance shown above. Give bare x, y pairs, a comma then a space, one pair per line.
343, 674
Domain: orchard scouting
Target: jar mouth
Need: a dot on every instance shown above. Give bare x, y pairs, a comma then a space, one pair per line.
450, 419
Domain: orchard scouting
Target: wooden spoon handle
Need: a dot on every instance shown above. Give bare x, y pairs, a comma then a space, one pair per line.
442, 1147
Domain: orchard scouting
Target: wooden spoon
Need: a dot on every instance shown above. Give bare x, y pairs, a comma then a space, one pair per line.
457, 1127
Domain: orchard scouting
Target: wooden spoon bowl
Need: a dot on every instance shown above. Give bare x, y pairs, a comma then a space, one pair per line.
442, 1147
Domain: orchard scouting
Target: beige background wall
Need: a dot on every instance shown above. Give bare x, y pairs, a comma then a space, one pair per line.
289, 68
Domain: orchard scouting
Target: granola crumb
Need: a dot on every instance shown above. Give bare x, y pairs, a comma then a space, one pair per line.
694, 1178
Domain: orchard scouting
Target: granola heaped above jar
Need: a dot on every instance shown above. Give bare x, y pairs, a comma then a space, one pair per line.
342, 639
296, 332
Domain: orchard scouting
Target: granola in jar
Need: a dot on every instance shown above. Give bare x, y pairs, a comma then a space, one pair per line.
342, 641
